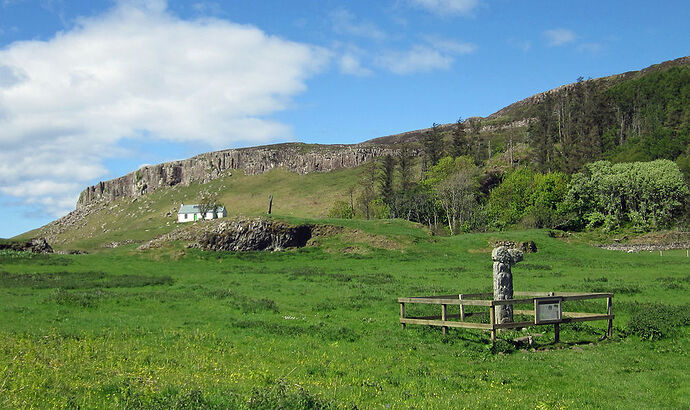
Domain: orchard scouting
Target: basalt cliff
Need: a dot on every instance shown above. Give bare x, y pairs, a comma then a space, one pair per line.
295, 157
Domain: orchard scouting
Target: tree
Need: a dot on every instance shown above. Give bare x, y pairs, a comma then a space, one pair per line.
460, 145
433, 145
367, 183
475, 127
341, 209
387, 169
456, 195
645, 195
405, 164
207, 203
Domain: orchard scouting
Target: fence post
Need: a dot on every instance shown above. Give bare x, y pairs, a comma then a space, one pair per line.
462, 310
609, 311
443, 317
492, 319
402, 313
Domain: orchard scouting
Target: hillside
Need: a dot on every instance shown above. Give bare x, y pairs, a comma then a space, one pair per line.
639, 115
134, 220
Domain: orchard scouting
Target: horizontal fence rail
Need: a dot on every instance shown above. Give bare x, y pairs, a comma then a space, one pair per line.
446, 321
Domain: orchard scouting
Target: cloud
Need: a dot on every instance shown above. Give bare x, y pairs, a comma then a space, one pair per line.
437, 54
208, 8
560, 36
344, 22
418, 59
451, 46
447, 7
350, 63
137, 71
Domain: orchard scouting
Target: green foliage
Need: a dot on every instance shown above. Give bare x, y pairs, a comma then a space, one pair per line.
433, 145
642, 118
645, 195
527, 197
655, 321
653, 112
342, 210
683, 163
378, 209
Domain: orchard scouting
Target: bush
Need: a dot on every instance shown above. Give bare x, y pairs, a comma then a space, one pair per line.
657, 321
341, 209
528, 197
643, 195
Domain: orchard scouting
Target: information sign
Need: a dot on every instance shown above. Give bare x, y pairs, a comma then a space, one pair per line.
547, 310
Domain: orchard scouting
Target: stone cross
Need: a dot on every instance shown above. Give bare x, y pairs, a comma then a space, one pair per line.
504, 258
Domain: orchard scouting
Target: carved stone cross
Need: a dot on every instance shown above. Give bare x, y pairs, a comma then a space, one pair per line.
504, 258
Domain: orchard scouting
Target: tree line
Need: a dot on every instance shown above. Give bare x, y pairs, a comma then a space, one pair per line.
554, 176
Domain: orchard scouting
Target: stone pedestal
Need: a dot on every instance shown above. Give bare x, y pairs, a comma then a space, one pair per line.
504, 258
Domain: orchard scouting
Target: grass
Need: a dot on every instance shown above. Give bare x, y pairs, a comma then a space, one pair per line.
317, 327
127, 221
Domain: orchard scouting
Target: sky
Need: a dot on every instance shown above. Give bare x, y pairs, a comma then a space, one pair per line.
93, 89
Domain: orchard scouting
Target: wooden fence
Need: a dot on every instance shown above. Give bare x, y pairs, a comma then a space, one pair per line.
482, 299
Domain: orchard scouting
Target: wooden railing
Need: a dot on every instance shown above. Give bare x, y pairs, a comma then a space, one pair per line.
482, 299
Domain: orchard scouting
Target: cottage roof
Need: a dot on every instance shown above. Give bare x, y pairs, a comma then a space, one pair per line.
193, 209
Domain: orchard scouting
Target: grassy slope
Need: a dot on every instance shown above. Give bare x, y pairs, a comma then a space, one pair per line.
231, 325
294, 195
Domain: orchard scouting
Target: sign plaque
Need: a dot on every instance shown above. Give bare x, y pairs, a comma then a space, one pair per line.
547, 310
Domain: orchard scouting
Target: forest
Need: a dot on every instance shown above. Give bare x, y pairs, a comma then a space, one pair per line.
594, 155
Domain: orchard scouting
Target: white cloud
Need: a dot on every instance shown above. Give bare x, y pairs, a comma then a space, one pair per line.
447, 7
438, 54
418, 59
138, 72
451, 46
560, 36
344, 22
350, 64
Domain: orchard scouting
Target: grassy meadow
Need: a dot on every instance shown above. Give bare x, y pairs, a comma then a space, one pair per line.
149, 216
318, 327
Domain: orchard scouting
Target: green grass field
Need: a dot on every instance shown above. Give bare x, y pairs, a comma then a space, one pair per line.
318, 327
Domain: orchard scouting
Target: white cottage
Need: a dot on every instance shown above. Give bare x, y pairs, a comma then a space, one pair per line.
189, 213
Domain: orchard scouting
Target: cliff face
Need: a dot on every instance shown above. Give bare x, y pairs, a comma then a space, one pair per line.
295, 157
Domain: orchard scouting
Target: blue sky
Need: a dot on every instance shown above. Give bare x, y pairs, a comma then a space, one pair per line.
91, 90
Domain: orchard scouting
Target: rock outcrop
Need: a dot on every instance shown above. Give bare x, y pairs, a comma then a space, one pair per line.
295, 157
243, 234
36, 245
255, 235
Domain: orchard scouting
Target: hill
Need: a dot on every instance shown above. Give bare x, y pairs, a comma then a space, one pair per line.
639, 115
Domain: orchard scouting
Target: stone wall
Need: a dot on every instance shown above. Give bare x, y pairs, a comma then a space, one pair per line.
295, 157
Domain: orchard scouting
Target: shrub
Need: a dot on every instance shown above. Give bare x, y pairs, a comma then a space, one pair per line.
657, 321
644, 195
529, 197
341, 209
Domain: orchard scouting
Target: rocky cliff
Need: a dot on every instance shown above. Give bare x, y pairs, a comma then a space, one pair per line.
295, 157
